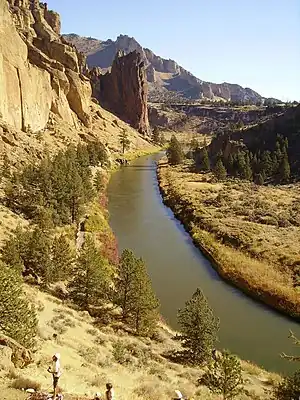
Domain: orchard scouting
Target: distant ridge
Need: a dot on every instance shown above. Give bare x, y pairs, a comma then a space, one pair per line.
164, 76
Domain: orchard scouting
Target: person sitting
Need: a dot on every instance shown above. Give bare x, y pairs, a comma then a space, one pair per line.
97, 396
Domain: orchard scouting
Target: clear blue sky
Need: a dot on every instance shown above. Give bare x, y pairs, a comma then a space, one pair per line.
254, 43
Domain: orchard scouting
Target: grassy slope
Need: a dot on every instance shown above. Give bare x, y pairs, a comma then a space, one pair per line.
239, 226
88, 361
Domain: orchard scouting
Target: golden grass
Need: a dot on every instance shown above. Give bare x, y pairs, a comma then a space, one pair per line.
252, 233
89, 360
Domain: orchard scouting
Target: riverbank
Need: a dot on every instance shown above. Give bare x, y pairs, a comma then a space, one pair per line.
230, 223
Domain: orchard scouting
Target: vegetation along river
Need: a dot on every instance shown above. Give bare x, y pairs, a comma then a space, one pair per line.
142, 223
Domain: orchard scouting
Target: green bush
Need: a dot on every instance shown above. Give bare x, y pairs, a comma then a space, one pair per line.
17, 317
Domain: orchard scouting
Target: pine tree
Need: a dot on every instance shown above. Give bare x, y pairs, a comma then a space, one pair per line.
44, 219
99, 182
62, 258
224, 376
162, 139
289, 388
284, 169
125, 282
92, 276
17, 318
230, 163
14, 248
37, 255
144, 315
259, 180
174, 152
205, 163
219, 170
124, 141
194, 145
199, 329
135, 295
247, 173
155, 135
5, 168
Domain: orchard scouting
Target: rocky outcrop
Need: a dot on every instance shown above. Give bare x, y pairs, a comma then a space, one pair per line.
123, 91
20, 356
263, 136
165, 74
39, 72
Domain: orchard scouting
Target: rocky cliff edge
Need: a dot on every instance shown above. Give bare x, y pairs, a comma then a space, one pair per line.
39, 72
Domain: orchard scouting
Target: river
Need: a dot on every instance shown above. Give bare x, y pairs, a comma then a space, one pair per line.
142, 223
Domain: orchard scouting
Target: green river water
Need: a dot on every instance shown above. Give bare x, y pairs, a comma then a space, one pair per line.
142, 223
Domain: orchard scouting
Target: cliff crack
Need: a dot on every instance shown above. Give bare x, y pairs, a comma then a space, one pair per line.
21, 99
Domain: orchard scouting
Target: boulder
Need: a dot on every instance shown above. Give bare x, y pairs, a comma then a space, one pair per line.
5, 358
20, 356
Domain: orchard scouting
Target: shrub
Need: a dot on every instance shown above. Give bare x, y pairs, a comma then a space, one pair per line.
224, 376
120, 353
25, 383
17, 318
289, 388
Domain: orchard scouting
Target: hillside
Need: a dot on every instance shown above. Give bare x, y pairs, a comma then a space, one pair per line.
164, 76
94, 353
263, 136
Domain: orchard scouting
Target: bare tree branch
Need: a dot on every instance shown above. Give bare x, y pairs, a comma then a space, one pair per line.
297, 342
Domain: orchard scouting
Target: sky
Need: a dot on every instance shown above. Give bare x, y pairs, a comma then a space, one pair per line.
255, 43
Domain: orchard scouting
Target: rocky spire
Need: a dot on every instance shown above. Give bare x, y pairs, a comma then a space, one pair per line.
123, 91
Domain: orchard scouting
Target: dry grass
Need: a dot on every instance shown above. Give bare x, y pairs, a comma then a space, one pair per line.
92, 357
252, 232
22, 383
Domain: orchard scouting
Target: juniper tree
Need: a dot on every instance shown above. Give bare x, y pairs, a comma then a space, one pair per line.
284, 169
144, 315
259, 180
37, 255
205, 163
156, 135
224, 376
125, 288
92, 277
288, 388
219, 170
174, 152
14, 249
135, 295
62, 258
162, 139
199, 329
194, 145
17, 317
99, 181
124, 141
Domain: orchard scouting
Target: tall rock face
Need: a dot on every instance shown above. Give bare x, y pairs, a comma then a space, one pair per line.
123, 90
165, 77
39, 72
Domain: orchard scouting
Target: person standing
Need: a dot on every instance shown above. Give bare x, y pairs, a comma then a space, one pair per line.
56, 372
110, 395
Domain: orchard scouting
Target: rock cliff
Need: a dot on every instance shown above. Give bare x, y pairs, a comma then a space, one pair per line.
123, 90
39, 72
164, 75
286, 124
